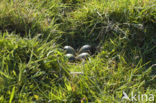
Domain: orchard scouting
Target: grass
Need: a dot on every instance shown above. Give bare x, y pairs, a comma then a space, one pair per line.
32, 63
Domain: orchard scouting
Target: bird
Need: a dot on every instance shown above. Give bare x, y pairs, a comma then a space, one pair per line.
125, 96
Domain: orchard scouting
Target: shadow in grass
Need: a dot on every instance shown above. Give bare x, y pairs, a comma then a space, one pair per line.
20, 26
128, 36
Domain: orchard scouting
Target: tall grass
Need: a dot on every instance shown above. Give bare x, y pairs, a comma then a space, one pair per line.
32, 63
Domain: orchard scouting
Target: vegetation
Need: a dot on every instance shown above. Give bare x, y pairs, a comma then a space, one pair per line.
33, 67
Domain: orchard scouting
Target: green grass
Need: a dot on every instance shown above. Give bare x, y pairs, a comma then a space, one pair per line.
32, 63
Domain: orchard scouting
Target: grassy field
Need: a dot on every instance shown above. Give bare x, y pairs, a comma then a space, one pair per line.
33, 68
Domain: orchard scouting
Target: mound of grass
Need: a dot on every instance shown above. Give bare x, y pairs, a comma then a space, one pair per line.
32, 63
27, 63
127, 25
27, 17
99, 19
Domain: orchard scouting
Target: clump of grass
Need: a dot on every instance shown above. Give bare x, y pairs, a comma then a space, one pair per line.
25, 17
28, 62
102, 18
103, 81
